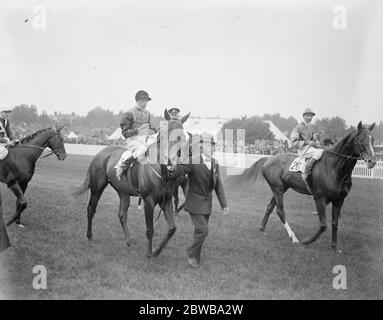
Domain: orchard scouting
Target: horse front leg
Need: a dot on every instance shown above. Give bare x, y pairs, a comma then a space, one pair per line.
169, 216
321, 208
336, 207
149, 209
21, 203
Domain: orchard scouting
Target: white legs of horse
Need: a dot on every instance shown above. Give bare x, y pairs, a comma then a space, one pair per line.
290, 233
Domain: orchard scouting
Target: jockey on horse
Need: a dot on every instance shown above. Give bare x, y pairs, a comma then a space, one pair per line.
135, 125
6, 136
304, 138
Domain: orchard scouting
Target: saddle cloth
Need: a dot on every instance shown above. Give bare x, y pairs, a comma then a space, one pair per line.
298, 165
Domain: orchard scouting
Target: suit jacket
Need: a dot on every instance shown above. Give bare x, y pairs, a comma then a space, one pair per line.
202, 182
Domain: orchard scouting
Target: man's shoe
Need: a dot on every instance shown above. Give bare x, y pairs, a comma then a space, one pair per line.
193, 262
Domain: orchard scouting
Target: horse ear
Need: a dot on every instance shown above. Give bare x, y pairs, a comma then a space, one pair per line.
184, 118
166, 115
360, 125
371, 127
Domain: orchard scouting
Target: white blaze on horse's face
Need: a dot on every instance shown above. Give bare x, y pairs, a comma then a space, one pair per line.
367, 152
370, 158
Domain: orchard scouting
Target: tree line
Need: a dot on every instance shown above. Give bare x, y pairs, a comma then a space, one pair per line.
101, 122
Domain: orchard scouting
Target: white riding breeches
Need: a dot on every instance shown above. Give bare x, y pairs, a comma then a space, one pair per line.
311, 152
3, 152
136, 147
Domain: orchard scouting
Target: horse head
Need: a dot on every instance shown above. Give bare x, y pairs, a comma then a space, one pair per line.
364, 144
172, 138
56, 143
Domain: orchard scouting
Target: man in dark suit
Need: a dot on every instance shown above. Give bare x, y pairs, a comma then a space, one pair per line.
4, 240
204, 177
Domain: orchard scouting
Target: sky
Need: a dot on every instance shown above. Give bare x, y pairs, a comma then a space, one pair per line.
227, 58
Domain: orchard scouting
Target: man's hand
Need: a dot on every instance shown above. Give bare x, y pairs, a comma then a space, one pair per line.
309, 142
144, 127
225, 211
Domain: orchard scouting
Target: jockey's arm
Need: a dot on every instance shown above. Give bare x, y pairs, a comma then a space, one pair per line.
9, 131
126, 125
5, 140
295, 134
316, 141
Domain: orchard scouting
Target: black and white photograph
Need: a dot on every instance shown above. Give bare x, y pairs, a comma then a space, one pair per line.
194, 150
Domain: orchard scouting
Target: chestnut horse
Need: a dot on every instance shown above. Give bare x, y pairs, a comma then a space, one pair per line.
330, 180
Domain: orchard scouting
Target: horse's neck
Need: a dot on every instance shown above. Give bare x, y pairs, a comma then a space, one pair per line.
37, 145
342, 164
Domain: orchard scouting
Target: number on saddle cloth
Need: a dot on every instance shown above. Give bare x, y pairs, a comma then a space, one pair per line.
298, 165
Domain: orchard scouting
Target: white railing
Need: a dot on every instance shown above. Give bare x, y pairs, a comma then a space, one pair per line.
239, 161
243, 161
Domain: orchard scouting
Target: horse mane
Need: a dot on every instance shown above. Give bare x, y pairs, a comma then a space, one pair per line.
339, 147
33, 135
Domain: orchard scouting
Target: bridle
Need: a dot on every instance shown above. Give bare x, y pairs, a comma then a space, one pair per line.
53, 151
348, 157
344, 155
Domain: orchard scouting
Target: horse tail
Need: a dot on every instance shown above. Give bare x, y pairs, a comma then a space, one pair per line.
97, 176
85, 186
251, 174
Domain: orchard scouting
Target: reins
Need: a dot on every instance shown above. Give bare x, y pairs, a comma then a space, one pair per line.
344, 155
54, 151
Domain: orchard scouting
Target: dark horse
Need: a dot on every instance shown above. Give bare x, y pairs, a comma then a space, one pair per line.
17, 169
330, 180
142, 179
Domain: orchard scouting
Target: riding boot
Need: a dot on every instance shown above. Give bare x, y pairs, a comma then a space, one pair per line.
124, 166
309, 167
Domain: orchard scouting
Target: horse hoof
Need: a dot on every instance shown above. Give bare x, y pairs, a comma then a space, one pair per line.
149, 255
90, 238
295, 240
128, 243
262, 229
336, 249
9, 223
20, 225
156, 253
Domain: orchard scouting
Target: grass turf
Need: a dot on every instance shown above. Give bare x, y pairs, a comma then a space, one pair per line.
239, 261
